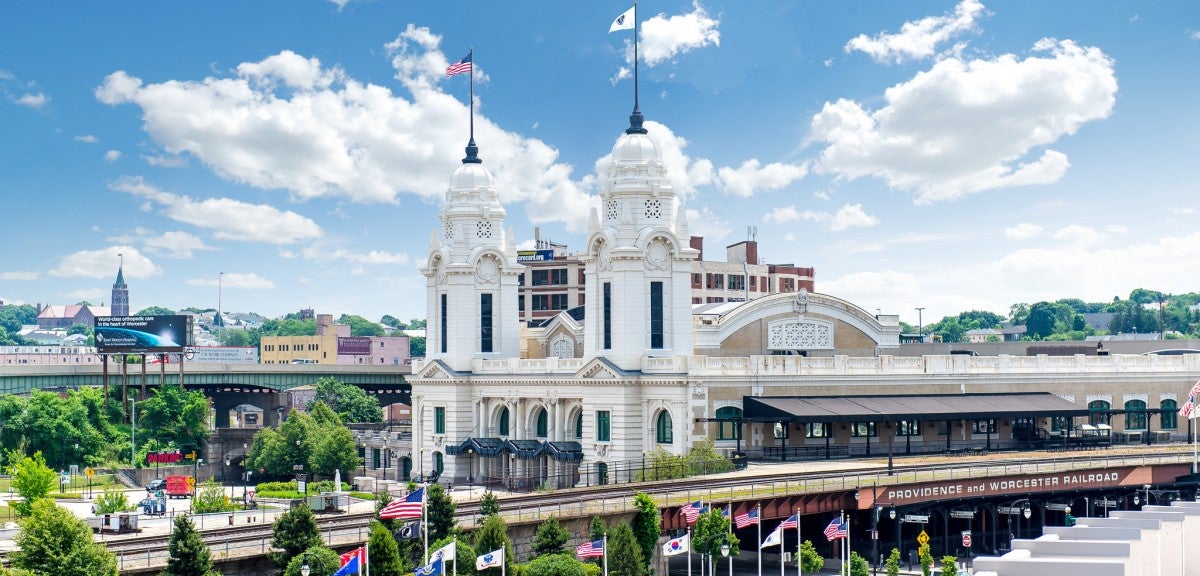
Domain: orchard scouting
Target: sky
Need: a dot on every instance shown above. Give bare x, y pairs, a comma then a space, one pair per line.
293, 154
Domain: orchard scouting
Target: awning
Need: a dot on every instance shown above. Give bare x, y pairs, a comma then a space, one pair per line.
565, 451
527, 449
892, 408
480, 446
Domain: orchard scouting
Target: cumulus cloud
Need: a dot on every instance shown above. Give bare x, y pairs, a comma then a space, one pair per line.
243, 280
229, 219
33, 100
372, 257
1080, 235
87, 138
101, 263
1023, 231
752, 177
664, 37
704, 222
918, 39
848, 216
19, 276
177, 245
687, 173
112, 155
964, 127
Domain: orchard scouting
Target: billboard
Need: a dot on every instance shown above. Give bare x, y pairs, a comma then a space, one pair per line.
534, 255
215, 355
354, 346
142, 334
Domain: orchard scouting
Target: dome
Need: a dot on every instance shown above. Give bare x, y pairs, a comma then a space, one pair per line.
635, 148
471, 177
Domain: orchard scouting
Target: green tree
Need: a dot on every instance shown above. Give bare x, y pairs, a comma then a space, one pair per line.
810, 560
550, 538
704, 459
710, 533
294, 532
335, 450
488, 504
13, 317
1040, 322
858, 565
892, 565
360, 326
599, 528
187, 554
385, 554
949, 566
155, 311
646, 525
54, 541
211, 497
492, 535
416, 346
625, 553
175, 415
112, 500
79, 329
440, 512
464, 554
389, 320
555, 565
350, 402
321, 562
925, 558
32, 480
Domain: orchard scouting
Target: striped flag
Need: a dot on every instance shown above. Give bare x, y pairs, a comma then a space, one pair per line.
590, 549
836, 529
463, 65
789, 523
746, 518
409, 507
691, 512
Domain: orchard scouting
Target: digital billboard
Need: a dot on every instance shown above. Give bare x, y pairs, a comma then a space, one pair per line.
535, 255
142, 334
354, 346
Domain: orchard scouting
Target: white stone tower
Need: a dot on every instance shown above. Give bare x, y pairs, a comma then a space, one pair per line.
471, 273
638, 295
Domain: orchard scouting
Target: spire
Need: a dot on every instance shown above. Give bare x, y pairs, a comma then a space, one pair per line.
120, 270
472, 153
636, 118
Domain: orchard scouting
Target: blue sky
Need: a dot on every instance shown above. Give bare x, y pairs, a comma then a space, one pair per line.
943, 155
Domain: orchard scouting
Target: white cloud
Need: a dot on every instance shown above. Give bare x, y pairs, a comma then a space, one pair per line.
707, 224
19, 276
1023, 231
968, 126
87, 138
92, 295
112, 155
1195, 35
1080, 235
177, 245
918, 39
33, 100
103, 263
821, 195
687, 174
247, 281
340, 3
166, 161
229, 219
373, 257
1116, 229
664, 37
752, 177
848, 216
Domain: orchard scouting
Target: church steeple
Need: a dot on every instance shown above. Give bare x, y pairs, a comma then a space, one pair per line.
120, 291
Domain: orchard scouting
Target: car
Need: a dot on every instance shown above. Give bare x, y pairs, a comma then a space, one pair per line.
156, 485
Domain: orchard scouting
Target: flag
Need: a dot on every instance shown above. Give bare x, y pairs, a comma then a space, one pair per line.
691, 512
1195, 390
622, 22
490, 560
773, 539
463, 65
789, 523
410, 531
434, 568
590, 549
447, 552
746, 518
353, 562
836, 529
409, 507
677, 545
1189, 409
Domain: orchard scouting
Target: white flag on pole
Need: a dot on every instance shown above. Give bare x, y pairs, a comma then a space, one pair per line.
622, 22
773, 539
678, 545
490, 560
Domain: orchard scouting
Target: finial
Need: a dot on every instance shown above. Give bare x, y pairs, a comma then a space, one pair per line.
635, 122
472, 153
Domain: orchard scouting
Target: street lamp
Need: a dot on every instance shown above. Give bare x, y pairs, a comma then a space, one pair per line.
920, 325
363, 445
304, 568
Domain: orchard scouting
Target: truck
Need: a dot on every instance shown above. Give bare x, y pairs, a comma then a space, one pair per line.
180, 486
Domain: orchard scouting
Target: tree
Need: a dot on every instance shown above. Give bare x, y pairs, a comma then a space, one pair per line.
440, 512
949, 566
79, 329
389, 320
320, 560
1040, 322
625, 553
155, 311
416, 346
350, 402
492, 535
53, 541
550, 538
187, 554
892, 565
555, 565
385, 554
335, 450
710, 533
175, 415
464, 554
488, 505
112, 500
294, 532
858, 565
810, 560
32, 480
646, 525
360, 326
211, 497
599, 528
925, 558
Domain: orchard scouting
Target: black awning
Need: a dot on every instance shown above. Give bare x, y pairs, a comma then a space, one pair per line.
565, 451
480, 446
896, 407
525, 448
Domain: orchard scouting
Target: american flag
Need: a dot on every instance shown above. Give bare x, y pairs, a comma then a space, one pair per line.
459, 67
691, 512
789, 523
409, 507
746, 518
1188, 408
591, 549
836, 529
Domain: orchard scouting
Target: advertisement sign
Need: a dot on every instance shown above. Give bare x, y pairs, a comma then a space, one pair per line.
164, 457
534, 255
142, 334
354, 346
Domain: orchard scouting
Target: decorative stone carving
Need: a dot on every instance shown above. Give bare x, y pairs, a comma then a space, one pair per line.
653, 209
604, 258
562, 346
488, 270
799, 335
657, 256
801, 302
437, 440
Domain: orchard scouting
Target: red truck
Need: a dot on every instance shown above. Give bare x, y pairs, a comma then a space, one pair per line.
180, 486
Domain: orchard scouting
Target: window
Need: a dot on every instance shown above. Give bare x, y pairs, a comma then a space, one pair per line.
816, 430
543, 424
663, 432
729, 430
780, 431
439, 420
983, 426
549, 302
787, 284
737, 282
502, 422
549, 277
520, 279
520, 303
908, 428
697, 280
607, 321
1135, 415
714, 281
442, 328
1099, 412
754, 283
485, 323
579, 426
1170, 415
1057, 423
656, 315
863, 429
603, 426
438, 465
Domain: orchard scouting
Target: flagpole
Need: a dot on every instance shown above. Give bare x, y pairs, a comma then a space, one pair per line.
689, 535
759, 554
635, 58
367, 557
425, 518
606, 555
471, 53
731, 533
455, 555
799, 542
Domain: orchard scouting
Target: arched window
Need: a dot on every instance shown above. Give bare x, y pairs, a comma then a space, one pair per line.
579, 425
502, 422
1135, 415
729, 430
1170, 415
664, 432
1099, 412
438, 465
542, 423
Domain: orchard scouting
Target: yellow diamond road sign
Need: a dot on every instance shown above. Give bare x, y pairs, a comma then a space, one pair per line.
922, 538
89, 472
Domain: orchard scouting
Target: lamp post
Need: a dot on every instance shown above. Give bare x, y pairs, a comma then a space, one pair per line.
920, 325
1146, 487
387, 459
725, 554
363, 445
305, 570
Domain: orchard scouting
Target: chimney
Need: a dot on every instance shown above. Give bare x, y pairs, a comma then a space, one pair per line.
752, 251
697, 243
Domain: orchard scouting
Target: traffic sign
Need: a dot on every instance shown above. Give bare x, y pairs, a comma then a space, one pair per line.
1057, 506
962, 514
915, 518
89, 472
966, 535
922, 538
190, 455
191, 482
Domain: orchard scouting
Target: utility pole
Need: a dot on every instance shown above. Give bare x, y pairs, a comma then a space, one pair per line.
920, 325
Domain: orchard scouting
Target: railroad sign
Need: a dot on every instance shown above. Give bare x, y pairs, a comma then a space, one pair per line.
89, 472
966, 538
922, 538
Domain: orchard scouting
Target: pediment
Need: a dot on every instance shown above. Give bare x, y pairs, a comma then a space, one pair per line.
598, 369
435, 370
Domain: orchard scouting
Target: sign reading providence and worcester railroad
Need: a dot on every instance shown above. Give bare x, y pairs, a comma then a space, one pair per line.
979, 487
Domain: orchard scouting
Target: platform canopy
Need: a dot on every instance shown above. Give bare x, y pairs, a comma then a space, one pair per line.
897, 407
